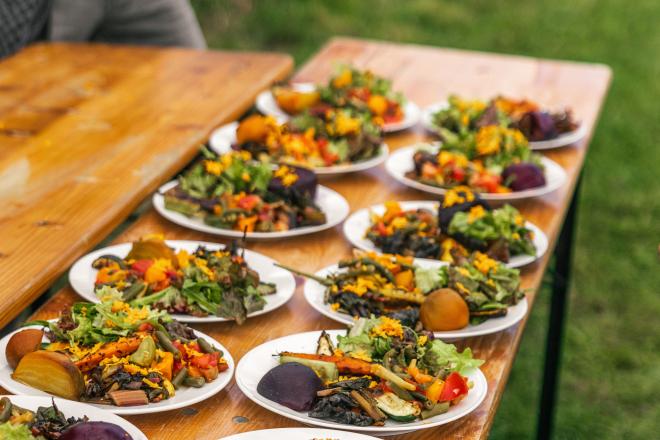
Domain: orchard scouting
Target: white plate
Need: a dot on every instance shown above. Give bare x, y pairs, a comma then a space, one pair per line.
223, 137
78, 410
357, 225
562, 140
267, 105
331, 203
314, 293
260, 360
299, 434
183, 397
82, 276
401, 162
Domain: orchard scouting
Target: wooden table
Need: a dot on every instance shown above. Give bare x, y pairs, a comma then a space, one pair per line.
425, 75
88, 131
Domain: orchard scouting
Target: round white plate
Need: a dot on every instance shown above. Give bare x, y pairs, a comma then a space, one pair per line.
267, 105
299, 434
260, 360
183, 397
560, 141
78, 410
314, 293
332, 203
401, 162
222, 139
82, 276
357, 225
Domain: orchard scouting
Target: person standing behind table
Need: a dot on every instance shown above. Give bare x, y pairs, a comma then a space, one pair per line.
21, 23
142, 22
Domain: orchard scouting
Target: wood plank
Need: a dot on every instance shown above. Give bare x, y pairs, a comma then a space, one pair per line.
425, 75
87, 131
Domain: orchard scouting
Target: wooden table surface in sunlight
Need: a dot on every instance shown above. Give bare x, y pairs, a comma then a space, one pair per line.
425, 75
87, 131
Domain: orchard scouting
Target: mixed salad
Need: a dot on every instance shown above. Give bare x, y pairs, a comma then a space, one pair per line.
462, 118
235, 192
113, 353
326, 137
206, 282
380, 370
350, 87
49, 423
463, 224
439, 298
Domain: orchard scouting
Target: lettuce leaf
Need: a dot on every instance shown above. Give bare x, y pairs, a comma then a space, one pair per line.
429, 279
442, 356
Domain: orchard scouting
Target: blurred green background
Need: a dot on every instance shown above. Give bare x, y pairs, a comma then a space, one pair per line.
610, 381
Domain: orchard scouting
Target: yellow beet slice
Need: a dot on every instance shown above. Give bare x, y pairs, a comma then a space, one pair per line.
50, 372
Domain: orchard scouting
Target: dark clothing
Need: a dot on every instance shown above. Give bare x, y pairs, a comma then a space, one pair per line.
21, 23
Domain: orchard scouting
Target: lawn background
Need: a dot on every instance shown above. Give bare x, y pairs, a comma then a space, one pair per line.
610, 381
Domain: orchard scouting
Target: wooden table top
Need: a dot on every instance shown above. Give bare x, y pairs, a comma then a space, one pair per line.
88, 131
425, 75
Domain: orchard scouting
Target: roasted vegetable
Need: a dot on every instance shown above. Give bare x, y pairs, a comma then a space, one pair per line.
22, 343
326, 370
444, 310
96, 431
292, 385
50, 372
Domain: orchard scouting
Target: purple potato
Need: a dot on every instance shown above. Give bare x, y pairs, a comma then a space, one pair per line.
292, 385
95, 431
523, 176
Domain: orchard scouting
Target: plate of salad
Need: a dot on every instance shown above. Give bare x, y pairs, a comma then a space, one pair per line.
361, 90
117, 358
194, 281
510, 172
476, 296
46, 418
335, 141
234, 196
299, 434
378, 377
432, 230
461, 119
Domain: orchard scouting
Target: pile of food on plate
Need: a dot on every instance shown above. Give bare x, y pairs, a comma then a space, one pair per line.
463, 118
113, 353
207, 282
464, 223
495, 160
233, 191
438, 298
326, 137
49, 423
380, 370
350, 87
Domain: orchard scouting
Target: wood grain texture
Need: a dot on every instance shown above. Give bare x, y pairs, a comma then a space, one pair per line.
425, 75
87, 131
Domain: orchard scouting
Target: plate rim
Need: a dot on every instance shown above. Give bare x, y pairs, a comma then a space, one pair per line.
563, 140
311, 296
477, 376
406, 152
541, 242
219, 143
9, 385
132, 430
158, 202
89, 296
267, 105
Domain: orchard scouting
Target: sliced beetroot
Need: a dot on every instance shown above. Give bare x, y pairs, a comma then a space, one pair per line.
95, 431
523, 176
292, 385
305, 184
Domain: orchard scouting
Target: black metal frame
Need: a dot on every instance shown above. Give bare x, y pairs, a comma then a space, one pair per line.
560, 284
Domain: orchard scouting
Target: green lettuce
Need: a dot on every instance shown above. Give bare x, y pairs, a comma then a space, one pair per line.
9, 431
429, 279
441, 356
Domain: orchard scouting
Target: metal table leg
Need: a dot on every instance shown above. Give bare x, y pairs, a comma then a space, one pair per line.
560, 284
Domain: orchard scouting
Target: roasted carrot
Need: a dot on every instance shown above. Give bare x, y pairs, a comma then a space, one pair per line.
120, 348
345, 364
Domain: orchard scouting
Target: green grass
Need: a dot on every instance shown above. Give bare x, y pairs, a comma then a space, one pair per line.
610, 383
